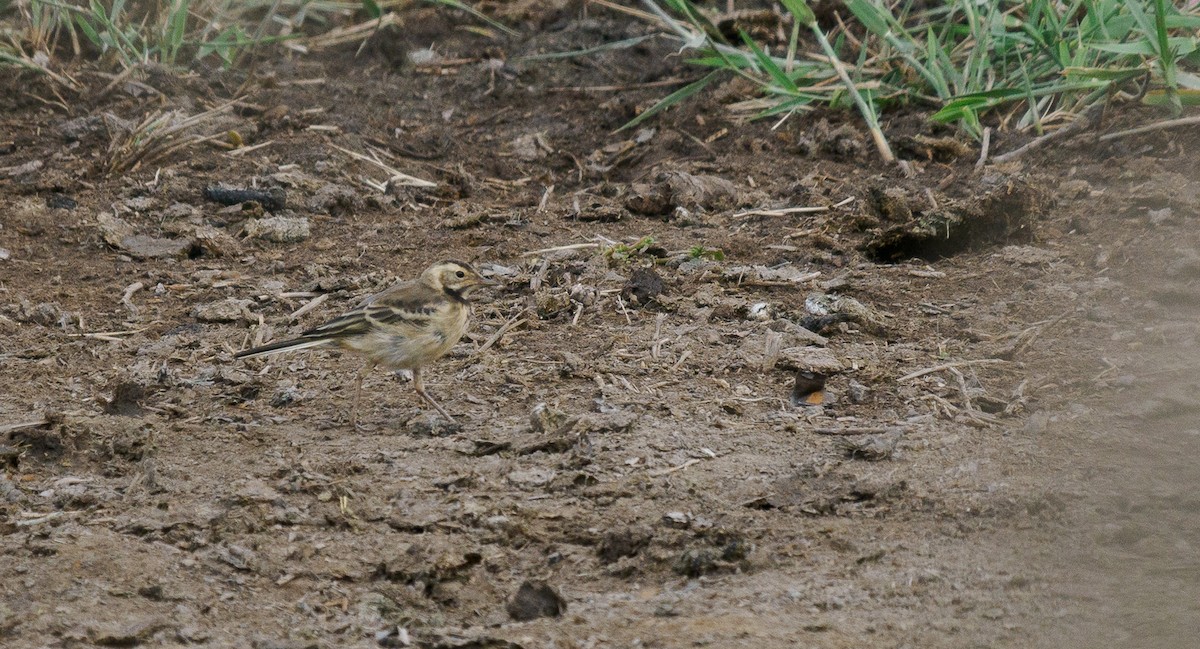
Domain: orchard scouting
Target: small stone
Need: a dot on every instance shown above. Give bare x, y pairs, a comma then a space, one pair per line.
228, 310
279, 229
678, 520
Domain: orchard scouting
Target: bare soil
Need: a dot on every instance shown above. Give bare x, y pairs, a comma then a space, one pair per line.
1001, 455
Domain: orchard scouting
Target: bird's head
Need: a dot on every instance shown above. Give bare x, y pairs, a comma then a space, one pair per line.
454, 278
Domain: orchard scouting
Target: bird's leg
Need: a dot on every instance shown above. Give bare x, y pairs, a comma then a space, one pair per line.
420, 386
367, 367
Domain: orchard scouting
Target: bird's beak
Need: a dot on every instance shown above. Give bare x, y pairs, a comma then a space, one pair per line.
487, 281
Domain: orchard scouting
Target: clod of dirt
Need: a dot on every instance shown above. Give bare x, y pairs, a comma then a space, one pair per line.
531, 478
649, 200
598, 211
130, 634
643, 286
120, 234
892, 203
675, 190
279, 229
623, 543
334, 200
214, 242
230, 309
58, 201
239, 557
126, 400
827, 309
696, 562
703, 192
1003, 212
47, 314
544, 419
932, 149
535, 599
550, 303
764, 276
871, 448
819, 492
1028, 255
843, 142
808, 359
436, 559
530, 147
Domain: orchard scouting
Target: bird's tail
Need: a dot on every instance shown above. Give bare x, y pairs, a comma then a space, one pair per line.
294, 344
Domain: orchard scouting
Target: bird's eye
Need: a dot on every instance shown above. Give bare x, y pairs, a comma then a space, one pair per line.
460, 274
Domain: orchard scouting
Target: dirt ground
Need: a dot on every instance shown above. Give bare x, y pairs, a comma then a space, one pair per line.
1002, 455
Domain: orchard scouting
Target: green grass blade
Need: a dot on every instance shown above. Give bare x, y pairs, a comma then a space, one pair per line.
774, 71
673, 98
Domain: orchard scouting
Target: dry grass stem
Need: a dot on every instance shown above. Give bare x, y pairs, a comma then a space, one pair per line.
946, 366
395, 177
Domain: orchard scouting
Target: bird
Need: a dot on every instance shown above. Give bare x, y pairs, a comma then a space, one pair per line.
405, 327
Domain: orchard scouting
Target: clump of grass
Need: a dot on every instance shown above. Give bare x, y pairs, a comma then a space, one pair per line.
622, 252
1022, 64
157, 136
180, 32
711, 254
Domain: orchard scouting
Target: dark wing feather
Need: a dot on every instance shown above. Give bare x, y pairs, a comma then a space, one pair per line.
409, 304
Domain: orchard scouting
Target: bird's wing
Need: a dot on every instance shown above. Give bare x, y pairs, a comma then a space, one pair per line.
406, 307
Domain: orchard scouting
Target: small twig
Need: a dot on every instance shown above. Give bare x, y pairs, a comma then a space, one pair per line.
1156, 126
773, 345
128, 294
858, 430
656, 344
308, 306
545, 198
42, 519
395, 176
673, 469
8, 429
983, 149
1083, 122
247, 149
946, 366
574, 246
108, 334
260, 333
868, 113
513, 323
763, 211
625, 311
621, 88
